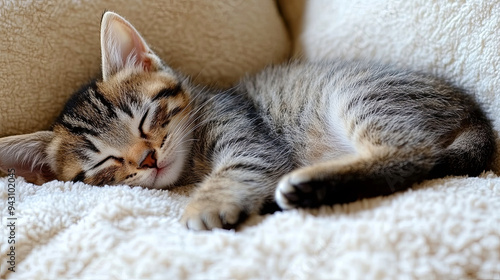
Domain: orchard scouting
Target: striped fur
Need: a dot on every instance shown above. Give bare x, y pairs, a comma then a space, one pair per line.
302, 134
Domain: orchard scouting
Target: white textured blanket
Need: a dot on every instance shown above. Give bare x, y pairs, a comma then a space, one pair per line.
441, 229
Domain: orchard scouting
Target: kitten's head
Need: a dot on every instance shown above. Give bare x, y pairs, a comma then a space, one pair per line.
132, 127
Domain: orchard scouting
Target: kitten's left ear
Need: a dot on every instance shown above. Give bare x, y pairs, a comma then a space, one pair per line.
122, 47
26, 155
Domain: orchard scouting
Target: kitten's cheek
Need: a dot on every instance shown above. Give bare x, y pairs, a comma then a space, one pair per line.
148, 180
169, 171
161, 172
164, 177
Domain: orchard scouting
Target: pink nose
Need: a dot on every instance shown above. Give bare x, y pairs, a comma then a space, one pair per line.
149, 160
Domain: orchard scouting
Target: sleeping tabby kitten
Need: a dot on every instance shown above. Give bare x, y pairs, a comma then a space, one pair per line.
301, 134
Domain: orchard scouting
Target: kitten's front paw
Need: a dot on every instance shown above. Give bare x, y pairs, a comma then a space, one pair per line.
207, 215
299, 190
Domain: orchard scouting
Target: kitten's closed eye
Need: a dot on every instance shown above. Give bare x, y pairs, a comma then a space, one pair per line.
141, 125
116, 159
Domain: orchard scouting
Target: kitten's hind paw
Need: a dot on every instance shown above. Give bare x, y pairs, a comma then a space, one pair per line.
295, 191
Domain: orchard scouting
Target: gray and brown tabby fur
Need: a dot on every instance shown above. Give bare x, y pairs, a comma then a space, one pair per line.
301, 134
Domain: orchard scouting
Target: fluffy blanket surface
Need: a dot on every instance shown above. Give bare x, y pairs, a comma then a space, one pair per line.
441, 229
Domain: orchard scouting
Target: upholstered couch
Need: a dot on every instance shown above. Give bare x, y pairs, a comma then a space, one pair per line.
441, 229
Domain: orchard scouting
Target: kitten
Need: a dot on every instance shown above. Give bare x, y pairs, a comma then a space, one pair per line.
302, 134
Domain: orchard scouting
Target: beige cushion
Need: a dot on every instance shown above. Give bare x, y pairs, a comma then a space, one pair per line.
49, 48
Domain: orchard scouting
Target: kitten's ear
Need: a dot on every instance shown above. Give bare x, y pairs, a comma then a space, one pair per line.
122, 46
25, 155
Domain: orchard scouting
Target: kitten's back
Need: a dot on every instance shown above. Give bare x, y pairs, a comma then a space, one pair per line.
331, 109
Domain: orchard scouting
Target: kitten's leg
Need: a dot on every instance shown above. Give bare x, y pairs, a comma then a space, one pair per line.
240, 184
353, 177
243, 160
